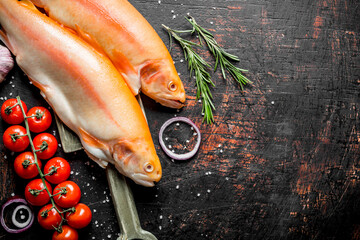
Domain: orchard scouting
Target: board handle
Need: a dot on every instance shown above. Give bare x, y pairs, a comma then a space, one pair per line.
125, 208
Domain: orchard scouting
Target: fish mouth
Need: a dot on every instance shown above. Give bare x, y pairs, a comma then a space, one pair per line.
171, 103
142, 179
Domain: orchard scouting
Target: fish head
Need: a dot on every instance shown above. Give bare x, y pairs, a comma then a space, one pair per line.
138, 161
161, 82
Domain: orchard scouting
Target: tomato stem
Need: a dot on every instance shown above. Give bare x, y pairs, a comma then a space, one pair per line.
42, 176
8, 110
53, 170
38, 115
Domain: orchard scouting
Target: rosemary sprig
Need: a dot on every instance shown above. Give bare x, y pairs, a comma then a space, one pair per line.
221, 56
197, 67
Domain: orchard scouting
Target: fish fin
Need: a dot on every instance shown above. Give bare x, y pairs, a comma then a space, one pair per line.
4, 38
91, 140
128, 72
28, 3
90, 40
100, 162
41, 87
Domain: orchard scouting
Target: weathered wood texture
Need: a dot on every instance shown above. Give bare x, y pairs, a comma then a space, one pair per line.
281, 160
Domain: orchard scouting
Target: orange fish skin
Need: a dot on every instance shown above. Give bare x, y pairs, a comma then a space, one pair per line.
128, 39
84, 89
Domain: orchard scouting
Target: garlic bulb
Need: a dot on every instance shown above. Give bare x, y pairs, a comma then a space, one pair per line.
6, 62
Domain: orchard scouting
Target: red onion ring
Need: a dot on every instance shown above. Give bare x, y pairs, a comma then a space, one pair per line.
22, 226
176, 156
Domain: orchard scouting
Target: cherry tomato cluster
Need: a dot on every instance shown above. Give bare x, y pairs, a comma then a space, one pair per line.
64, 206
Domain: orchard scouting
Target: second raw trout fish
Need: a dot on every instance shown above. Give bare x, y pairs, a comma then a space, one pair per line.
84, 89
119, 30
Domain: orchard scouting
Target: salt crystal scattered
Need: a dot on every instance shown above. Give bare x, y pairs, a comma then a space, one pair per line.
5, 157
187, 141
272, 102
208, 191
194, 133
94, 210
226, 178
77, 173
159, 2
109, 236
211, 22
166, 138
161, 217
177, 186
72, 172
172, 11
13, 194
159, 227
170, 146
198, 194
22, 216
174, 16
221, 151
177, 124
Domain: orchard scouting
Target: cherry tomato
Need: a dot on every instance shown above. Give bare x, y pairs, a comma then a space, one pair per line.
36, 194
41, 119
48, 143
70, 194
80, 218
12, 141
48, 217
12, 115
60, 169
25, 166
68, 233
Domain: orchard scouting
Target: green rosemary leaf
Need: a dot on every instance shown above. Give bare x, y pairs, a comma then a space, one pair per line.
221, 56
198, 68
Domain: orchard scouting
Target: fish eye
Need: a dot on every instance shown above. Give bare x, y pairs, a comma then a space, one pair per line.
148, 167
172, 86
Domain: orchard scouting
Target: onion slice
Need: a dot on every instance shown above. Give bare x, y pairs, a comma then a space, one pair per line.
22, 205
176, 156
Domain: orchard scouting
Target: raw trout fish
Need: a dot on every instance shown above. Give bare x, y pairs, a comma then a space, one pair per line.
119, 30
84, 88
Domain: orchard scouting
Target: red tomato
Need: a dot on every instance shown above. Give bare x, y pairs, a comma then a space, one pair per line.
48, 217
25, 166
67, 233
70, 194
48, 143
12, 115
12, 141
60, 169
36, 194
80, 218
41, 119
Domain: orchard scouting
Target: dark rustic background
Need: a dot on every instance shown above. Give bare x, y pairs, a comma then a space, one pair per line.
281, 160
